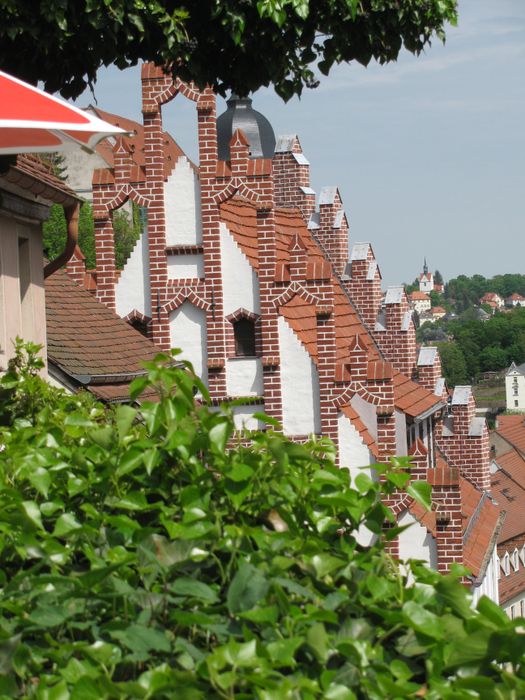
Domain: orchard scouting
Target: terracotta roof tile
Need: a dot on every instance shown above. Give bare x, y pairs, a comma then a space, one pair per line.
508, 488
85, 338
481, 521
135, 144
32, 165
412, 398
512, 428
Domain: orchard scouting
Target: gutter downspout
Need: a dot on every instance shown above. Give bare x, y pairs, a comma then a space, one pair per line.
72, 216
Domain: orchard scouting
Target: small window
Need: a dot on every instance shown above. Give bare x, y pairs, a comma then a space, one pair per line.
244, 333
516, 404
515, 391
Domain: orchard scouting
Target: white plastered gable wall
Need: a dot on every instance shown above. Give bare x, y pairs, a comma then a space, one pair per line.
182, 204
188, 332
299, 384
416, 542
132, 290
240, 288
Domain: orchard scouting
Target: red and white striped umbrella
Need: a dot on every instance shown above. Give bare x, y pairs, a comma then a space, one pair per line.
32, 121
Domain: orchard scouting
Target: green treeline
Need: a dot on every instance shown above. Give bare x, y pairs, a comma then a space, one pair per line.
464, 292
482, 346
126, 229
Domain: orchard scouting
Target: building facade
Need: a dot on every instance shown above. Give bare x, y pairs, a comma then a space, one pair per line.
241, 268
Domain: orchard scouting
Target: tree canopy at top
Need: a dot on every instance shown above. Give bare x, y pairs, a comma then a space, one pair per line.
230, 44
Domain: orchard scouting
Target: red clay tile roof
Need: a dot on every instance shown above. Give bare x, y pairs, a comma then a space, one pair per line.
508, 488
418, 295
481, 526
32, 174
514, 464
85, 338
412, 398
511, 585
135, 143
241, 220
512, 428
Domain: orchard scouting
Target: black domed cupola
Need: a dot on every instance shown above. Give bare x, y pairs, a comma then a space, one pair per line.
255, 126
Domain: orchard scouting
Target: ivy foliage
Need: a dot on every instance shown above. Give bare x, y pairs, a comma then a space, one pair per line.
142, 558
231, 44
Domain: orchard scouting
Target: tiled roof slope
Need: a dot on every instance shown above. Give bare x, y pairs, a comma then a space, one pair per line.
508, 487
481, 526
512, 428
481, 521
135, 142
33, 165
86, 339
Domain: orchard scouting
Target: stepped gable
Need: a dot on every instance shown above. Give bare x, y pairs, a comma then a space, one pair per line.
240, 217
135, 144
89, 343
481, 524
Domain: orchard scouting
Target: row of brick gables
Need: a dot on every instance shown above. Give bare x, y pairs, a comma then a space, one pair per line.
334, 355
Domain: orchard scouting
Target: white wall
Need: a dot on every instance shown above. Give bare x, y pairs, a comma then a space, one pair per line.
299, 385
188, 332
182, 203
185, 266
353, 453
489, 583
401, 433
416, 542
510, 384
243, 417
367, 413
244, 377
240, 282
132, 290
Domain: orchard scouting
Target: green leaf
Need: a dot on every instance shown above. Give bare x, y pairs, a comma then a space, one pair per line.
65, 524
220, 434
421, 492
32, 512
140, 638
194, 589
422, 620
246, 589
317, 640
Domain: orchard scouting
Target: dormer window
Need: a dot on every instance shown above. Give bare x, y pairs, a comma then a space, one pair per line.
244, 334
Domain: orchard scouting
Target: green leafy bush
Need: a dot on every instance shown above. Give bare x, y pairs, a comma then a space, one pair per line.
141, 558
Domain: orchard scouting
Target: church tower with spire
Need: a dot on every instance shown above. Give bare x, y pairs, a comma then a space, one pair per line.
426, 279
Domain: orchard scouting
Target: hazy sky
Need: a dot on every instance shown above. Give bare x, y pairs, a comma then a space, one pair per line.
428, 153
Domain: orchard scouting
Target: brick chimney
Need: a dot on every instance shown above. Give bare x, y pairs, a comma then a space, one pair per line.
362, 279
291, 176
465, 439
429, 372
330, 226
395, 332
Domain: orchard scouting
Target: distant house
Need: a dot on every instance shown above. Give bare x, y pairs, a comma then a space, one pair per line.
493, 300
515, 387
515, 300
419, 301
427, 282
